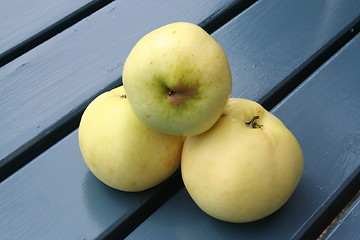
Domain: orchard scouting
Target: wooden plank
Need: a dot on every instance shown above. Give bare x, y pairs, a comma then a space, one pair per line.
25, 22
40, 61
347, 227
55, 196
50, 86
323, 114
275, 40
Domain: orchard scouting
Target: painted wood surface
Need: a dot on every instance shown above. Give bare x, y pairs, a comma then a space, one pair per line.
43, 92
315, 112
273, 41
55, 195
347, 227
23, 21
56, 80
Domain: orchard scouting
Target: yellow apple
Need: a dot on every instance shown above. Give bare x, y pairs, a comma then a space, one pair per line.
245, 167
177, 79
120, 150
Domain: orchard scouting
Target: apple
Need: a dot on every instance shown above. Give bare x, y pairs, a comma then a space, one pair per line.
245, 167
177, 79
121, 151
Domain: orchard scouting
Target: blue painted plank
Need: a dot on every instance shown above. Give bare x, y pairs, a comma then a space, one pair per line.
22, 20
55, 196
274, 40
324, 115
347, 227
85, 75
50, 85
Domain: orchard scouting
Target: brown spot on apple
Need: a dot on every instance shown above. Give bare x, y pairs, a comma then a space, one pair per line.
180, 94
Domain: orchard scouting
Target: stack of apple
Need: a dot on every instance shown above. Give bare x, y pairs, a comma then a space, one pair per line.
239, 162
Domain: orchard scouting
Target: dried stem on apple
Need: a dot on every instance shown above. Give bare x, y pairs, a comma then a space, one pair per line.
254, 123
171, 92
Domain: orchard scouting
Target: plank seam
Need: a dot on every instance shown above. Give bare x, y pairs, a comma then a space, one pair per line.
337, 203
221, 17
299, 75
62, 128
52, 30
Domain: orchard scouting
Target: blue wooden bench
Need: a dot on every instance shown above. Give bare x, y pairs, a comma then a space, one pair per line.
347, 227
300, 59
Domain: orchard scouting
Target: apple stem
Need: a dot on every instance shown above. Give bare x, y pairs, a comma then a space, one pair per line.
253, 122
171, 92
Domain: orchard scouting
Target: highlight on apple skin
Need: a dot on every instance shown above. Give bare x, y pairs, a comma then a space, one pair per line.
177, 79
120, 150
245, 167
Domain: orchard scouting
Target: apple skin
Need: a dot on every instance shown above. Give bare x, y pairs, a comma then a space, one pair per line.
121, 151
237, 173
178, 79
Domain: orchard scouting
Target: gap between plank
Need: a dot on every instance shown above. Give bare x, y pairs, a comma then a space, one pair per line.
338, 217
52, 30
333, 210
210, 25
268, 102
271, 99
221, 17
60, 129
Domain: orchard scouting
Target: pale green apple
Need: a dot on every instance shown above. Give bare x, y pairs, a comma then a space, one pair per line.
245, 167
178, 79
120, 150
